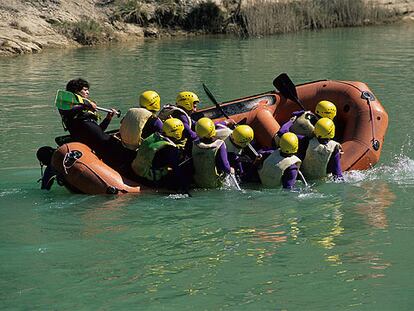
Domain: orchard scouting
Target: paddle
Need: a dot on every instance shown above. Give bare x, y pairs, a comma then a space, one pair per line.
213, 99
65, 100
287, 88
303, 178
235, 182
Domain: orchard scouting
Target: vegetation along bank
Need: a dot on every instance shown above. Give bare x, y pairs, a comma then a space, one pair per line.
28, 26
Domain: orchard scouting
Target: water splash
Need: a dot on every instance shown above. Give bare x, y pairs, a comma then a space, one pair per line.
231, 183
400, 171
178, 196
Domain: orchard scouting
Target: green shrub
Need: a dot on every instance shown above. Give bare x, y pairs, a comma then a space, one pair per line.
134, 11
86, 31
206, 16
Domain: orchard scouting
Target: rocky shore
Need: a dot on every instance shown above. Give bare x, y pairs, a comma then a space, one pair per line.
28, 26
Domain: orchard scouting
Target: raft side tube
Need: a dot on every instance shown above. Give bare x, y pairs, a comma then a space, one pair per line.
83, 170
361, 122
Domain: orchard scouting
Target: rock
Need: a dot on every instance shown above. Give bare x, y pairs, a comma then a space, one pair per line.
151, 32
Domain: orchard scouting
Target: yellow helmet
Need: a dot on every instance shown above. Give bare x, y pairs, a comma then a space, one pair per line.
173, 128
242, 135
187, 100
150, 100
289, 143
324, 128
205, 128
326, 109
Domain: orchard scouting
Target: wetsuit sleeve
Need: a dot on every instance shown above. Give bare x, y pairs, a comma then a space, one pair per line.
48, 177
170, 156
334, 164
303, 146
289, 177
286, 126
158, 125
235, 162
188, 132
222, 161
298, 113
153, 125
104, 124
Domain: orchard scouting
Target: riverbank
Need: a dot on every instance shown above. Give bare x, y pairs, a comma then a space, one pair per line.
30, 26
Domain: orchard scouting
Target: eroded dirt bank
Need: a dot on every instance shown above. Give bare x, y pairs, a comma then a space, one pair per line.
28, 26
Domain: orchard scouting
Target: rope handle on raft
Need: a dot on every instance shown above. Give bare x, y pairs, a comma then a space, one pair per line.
70, 159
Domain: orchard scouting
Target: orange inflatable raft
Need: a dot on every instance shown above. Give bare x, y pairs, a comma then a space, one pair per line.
361, 124
84, 172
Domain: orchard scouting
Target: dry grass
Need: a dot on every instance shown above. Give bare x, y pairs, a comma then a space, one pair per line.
264, 18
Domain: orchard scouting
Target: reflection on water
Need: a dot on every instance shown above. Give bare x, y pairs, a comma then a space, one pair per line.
107, 217
330, 245
377, 198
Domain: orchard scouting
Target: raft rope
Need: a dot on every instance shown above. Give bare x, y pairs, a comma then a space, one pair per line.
70, 159
73, 156
368, 96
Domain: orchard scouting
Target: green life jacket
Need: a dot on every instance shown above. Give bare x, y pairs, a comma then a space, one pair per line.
142, 164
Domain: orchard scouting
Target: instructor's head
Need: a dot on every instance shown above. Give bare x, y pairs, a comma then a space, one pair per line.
78, 86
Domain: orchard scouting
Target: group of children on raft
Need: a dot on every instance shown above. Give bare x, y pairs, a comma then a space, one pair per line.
164, 147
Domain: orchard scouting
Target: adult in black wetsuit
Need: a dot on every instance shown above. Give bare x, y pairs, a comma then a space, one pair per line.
82, 123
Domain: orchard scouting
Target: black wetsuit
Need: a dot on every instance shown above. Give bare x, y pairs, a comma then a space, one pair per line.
83, 127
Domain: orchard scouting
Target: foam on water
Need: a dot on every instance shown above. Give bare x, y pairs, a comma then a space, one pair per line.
400, 171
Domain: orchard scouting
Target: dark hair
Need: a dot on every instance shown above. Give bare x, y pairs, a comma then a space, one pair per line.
44, 154
76, 85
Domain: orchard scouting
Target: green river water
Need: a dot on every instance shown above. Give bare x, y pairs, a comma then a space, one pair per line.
336, 246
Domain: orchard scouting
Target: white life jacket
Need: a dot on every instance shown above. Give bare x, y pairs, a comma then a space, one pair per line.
273, 168
317, 158
132, 125
302, 125
167, 111
204, 161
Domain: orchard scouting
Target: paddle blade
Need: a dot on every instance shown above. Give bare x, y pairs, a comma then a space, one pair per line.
285, 86
65, 100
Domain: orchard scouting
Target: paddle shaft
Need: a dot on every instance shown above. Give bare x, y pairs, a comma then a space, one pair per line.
235, 182
213, 99
118, 112
303, 178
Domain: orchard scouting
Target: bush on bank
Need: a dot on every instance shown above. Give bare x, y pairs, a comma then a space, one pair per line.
260, 17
